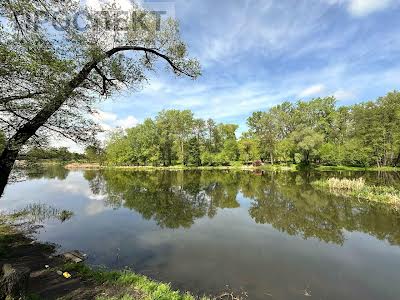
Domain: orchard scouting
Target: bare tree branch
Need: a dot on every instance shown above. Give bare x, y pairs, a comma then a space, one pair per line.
5, 100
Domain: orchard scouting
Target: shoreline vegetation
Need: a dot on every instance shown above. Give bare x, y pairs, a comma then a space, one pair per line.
316, 134
85, 282
359, 189
234, 166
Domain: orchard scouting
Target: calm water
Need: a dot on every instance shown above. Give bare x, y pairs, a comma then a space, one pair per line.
270, 234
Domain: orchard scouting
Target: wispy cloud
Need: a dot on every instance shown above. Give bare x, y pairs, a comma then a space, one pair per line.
258, 53
365, 7
313, 90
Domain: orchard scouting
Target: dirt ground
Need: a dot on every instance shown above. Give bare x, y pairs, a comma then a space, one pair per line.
45, 283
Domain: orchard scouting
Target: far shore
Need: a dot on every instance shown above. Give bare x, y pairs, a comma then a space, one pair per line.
268, 167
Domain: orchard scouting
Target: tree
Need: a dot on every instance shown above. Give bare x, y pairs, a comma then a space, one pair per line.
182, 127
248, 150
212, 134
231, 150
95, 153
308, 143
263, 127
144, 142
118, 150
194, 152
2, 141
50, 79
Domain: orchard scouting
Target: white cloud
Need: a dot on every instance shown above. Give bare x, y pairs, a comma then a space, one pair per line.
342, 94
95, 208
127, 122
109, 120
312, 90
362, 8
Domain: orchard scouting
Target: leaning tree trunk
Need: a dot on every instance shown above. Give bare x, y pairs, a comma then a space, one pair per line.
24, 133
7, 160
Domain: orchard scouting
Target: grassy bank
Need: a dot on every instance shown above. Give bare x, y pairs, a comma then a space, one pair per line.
128, 280
358, 188
349, 168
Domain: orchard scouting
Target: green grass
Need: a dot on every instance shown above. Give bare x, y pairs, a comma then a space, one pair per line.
358, 188
8, 235
4, 242
349, 168
147, 288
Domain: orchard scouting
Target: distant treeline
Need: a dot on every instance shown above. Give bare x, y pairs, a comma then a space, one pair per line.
57, 154
313, 132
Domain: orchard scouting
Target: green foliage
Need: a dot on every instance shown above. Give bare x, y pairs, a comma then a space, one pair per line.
118, 150
95, 153
51, 79
318, 132
145, 287
230, 150
307, 133
307, 142
248, 150
174, 137
193, 152
60, 154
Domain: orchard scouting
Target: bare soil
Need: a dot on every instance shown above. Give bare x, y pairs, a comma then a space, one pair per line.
44, 283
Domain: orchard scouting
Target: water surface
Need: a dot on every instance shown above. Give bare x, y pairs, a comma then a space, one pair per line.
270, 234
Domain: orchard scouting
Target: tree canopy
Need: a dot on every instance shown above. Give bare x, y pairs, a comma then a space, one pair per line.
319, 131
174, 137
53, 71
313, 132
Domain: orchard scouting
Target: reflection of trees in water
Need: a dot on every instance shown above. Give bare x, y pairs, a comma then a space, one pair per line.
29, 170
286, 200
172, 199
290, 204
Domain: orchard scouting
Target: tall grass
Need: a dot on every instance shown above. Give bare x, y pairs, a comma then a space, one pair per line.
358, 188
354, 185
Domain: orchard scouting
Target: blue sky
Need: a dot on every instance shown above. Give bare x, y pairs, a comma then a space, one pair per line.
258, 53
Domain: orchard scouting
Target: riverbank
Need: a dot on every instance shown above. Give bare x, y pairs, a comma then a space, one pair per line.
20, 250
94, 166
277, 167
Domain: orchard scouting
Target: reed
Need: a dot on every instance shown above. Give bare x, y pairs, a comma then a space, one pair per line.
358, 188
